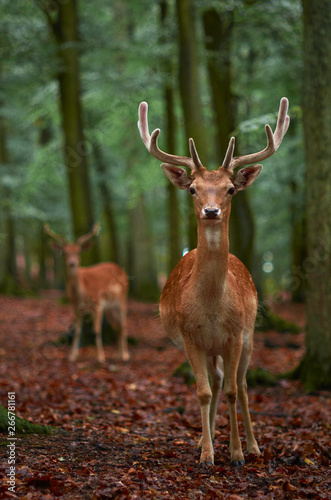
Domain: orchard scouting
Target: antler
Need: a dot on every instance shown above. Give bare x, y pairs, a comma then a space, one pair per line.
150, 142
83, 239
274, 141
59, 239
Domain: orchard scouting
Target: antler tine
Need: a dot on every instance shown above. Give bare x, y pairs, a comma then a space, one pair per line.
143, 124
229, 153
58, 238
283, 122
83, 239
194, 154
274, 139
150, 142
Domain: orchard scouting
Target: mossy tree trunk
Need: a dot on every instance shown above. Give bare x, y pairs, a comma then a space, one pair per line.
63, 21
171, 145
23, 426
9, 279
218, 26
315, 368
143, 280
106, 198
190, 92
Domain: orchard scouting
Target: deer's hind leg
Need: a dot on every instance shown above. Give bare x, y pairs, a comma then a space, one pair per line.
117, 318
252, 446
78, 324
97, 327
231, 356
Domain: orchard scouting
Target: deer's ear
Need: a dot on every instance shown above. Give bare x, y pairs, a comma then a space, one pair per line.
55, 245
86, 245
178, 176
246, 176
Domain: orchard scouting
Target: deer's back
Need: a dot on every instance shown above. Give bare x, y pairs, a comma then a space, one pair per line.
106, 281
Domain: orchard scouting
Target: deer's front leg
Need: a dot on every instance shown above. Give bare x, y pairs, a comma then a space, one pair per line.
198, 360
77, 334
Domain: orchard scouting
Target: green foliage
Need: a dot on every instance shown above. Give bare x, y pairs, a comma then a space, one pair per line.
185, 372
268, 320
23, 426
123, 50
260, 376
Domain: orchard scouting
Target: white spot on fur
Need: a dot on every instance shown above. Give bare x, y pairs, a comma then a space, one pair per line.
213, 237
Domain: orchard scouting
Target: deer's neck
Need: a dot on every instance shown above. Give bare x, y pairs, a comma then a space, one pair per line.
73, 286
212, 257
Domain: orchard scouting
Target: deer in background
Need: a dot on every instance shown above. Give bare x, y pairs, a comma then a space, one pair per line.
96, 290
208, 305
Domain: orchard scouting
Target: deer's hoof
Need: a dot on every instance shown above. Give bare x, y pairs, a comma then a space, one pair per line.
237, 463
254, 449
207, 459
206, 465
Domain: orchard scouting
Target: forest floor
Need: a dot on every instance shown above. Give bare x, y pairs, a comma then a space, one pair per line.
129, 430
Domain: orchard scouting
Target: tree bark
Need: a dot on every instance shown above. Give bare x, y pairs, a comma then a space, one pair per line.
218, 28
42, 252
106, 197
190, 92
315, 368
143, 284
9, 279
170, 121
63, 21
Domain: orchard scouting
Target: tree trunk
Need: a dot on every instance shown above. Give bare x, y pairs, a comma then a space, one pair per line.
298, 246
218, 31
63, 20
106, 197
143, 284
42, 252
315, 368
9, 280
27, 256
190, 92
169, 120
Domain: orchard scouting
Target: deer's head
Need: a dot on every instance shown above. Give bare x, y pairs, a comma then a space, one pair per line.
213, 190
72, 251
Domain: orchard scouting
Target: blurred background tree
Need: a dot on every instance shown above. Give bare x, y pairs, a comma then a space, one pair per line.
70, 152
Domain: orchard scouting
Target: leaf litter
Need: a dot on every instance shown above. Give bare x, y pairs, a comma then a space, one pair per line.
130, 430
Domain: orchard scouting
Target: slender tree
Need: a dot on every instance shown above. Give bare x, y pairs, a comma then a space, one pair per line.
315, 368
190, 90
218, 26
63, 22
170, 121
107, 201
9, 278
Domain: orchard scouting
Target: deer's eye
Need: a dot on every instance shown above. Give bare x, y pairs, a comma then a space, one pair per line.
231, 190
192, 190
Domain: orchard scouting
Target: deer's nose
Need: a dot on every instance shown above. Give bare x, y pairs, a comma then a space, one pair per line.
211, 212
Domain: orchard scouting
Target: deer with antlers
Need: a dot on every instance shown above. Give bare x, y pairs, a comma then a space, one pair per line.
96, 290
209, 303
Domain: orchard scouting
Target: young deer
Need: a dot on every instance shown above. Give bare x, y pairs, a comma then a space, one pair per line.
209, 303
96, 290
